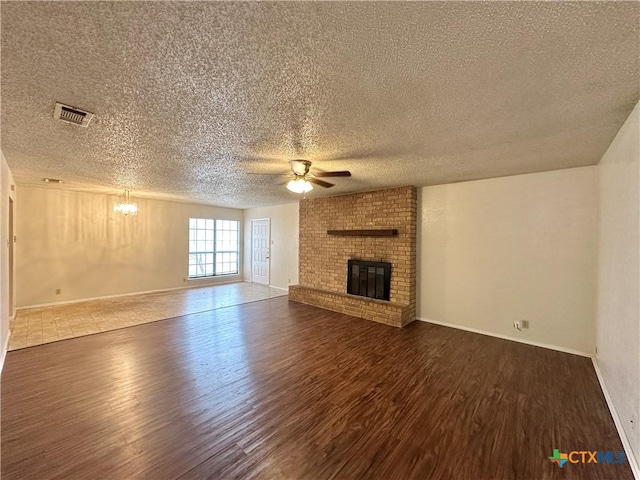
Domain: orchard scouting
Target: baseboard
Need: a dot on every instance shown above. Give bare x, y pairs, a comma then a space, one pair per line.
506, 337
104, 297
5, 348
633, 462
279, 288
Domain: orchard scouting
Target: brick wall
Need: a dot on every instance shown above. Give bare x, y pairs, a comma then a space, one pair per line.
323, 258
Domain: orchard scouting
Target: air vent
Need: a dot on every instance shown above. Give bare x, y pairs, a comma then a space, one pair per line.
73, 115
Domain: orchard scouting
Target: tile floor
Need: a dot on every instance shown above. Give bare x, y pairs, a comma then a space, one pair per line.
36, 326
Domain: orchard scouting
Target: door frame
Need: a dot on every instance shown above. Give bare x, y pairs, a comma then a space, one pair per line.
12, 238
268, 219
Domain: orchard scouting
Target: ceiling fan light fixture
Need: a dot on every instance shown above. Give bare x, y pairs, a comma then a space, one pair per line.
299, 185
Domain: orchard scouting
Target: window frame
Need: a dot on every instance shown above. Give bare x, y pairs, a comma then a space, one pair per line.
215, 251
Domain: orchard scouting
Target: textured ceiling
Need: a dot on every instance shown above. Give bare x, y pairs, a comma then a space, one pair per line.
193, 99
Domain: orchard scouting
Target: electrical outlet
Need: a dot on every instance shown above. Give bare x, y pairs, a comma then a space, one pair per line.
58, 291
516, 325
525, 323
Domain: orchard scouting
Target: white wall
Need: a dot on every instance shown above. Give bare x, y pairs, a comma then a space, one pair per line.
618, 305
512, 248
284, 243
73, 241
6, 180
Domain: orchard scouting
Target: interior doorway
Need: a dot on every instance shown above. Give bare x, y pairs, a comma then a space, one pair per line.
260, 244
11, 244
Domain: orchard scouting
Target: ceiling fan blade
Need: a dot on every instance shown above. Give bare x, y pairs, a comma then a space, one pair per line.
322, 183
342, 173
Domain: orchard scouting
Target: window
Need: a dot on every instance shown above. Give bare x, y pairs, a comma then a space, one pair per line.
213, 247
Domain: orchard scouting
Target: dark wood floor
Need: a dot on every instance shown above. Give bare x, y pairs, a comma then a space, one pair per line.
275, 389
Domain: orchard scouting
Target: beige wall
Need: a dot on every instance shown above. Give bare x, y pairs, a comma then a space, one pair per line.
284, 243
74, 242
512, 248
6, 180
618, 307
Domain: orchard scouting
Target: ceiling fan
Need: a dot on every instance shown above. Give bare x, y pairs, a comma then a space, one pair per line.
303, 178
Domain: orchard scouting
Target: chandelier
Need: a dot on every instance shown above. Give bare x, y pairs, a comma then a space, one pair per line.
126, 206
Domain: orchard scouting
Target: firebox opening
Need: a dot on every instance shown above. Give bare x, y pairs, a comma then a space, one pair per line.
369, 279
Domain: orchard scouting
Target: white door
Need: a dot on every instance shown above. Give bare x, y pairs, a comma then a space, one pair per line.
260, 242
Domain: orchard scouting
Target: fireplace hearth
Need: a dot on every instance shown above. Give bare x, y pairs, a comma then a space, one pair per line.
369, 279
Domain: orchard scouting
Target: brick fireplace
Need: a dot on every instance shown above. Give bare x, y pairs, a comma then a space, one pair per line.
375, 226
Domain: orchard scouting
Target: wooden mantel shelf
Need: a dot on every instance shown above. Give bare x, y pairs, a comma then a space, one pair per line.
364, 233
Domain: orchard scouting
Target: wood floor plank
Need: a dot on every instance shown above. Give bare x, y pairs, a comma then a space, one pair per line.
276, 389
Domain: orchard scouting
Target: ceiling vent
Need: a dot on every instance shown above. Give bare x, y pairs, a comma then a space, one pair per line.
73, 115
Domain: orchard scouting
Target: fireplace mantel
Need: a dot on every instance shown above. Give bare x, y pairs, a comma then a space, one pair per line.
364, 233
